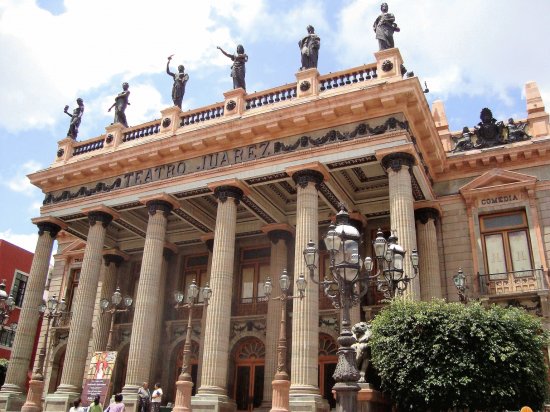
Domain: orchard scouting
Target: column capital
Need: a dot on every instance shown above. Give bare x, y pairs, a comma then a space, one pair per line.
278, 231
223, 192
115, 256
49, 224
101, 214
162, 201
303, 177
208, 240
426, 213
396, 161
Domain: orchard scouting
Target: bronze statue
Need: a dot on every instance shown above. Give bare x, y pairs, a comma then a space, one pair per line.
309, 48
362, 333
384, 26
489, 132
463, 141
120, 104
76, 118
238, 70
517, 131
180, 80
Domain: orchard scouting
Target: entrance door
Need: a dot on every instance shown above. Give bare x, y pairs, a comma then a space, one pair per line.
249, 374
327, 365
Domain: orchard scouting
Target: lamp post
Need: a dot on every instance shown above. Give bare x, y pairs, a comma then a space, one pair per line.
50, 309
7, 304
116, 305
281, 382
184, 385
460, 282
344, 290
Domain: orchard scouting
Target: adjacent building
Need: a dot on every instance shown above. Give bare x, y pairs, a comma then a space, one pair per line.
231, 193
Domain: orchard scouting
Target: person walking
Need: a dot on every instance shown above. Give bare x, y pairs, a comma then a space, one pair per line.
157, 398
77, 407
117, 406
96, 406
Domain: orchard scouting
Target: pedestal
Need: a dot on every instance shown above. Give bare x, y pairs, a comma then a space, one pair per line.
60, 401
11, 401
213, 403
371, 400
183, 396
280, 395
34, 397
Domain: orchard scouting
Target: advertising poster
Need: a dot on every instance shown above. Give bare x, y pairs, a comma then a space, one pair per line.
99, 376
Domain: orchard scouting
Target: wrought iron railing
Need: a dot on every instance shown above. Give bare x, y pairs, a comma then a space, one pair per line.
512, 282
250, 306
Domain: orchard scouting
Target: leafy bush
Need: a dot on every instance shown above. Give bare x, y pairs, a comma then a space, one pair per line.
437, 356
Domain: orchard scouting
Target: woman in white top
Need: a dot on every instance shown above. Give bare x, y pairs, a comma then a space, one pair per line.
76, 406
156, 398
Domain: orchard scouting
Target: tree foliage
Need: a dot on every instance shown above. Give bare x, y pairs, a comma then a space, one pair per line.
437, 356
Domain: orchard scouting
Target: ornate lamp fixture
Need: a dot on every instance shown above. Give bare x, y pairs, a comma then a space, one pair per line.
281, 382
344, 289
117, 304
7, 304
184, 385
460, 282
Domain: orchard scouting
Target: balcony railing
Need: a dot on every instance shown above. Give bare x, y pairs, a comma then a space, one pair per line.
250, 306
512, 282
347, 77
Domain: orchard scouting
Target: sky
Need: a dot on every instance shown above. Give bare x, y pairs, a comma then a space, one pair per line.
472, 54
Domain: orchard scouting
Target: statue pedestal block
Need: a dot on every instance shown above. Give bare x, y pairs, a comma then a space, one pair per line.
371, 400
388, 64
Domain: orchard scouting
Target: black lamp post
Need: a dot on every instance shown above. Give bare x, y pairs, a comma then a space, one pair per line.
460, 282
281, 382
117, 304
184, 385
344, 289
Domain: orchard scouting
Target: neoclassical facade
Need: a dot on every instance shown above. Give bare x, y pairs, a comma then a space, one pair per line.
231, 193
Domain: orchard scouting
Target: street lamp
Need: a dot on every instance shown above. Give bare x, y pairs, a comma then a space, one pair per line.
51, 309
184, 385
7, 304
344, 290
281, 382
460, 282
116, 305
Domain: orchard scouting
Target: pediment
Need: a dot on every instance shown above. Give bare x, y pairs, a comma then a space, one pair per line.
75, 247
499, 179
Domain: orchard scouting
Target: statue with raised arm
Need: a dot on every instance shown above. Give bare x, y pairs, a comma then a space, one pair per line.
120, 104
362, 333
76, 118
309, 49
384, 27
238, 69
180, 80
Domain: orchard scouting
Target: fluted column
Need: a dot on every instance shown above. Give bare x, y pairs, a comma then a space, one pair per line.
278, 262
83, 308
399, 169
20, 359
141, 342
218, 317
305, 316
430, 280
208, 239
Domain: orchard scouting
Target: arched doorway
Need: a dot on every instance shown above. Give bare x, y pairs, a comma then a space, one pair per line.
57, 369
327, 365
249, 374
177, 357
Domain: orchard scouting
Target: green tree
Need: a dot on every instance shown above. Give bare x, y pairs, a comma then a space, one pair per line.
437, 356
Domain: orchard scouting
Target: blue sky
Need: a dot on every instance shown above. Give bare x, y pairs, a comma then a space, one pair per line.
472, 53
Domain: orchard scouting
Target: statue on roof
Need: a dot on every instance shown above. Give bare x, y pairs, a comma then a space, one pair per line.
120, 104
309, 49
180, 80
517, 131
238, 70
76, 118
489, 132
384, 26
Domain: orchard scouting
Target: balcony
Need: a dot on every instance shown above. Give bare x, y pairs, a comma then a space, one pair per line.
507, 283
250, 306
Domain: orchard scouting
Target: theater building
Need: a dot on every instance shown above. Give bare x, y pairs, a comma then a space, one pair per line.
231, 193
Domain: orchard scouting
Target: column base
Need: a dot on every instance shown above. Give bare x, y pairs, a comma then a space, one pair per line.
183, 396
280, 396
11, 401
34, 397
372, 400
307, 402
212, 403
60, 402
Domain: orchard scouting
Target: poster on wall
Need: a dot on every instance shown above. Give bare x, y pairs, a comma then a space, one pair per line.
99, 377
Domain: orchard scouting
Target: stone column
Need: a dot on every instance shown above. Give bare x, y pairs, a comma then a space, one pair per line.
304, 393
82, 313
212, 394
12, 394
208, 239
430, 279
146, 302
279, 241
399, 169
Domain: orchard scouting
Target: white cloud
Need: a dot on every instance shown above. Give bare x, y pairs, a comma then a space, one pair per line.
20, 183
25, 241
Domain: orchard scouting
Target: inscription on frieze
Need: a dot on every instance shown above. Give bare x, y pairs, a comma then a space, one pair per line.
234, 156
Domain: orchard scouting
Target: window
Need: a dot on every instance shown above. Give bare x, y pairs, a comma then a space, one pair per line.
18, 288
195, 269
506, 245
73, 287
254, 271
6, 337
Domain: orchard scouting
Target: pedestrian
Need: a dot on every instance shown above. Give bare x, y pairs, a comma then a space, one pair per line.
157, 398
117, 406
95, 406
77, 407
144, 395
